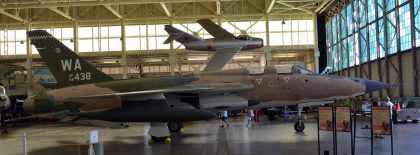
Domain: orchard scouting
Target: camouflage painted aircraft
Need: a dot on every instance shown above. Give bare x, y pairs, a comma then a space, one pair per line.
215, 89
276, 88
225, 44
87, 92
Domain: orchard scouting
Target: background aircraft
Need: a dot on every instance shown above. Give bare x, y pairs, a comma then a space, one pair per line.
88, 92
225, 44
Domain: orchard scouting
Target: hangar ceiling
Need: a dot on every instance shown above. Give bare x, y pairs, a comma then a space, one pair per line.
62, 13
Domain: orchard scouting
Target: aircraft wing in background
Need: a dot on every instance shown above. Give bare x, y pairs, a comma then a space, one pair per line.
215, 30
220, 58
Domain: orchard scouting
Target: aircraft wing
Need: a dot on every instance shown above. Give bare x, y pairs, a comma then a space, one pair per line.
215, 30
146, 92
143, 107
221, 58
193, 88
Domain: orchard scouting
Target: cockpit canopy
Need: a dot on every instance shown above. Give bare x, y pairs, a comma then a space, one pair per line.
282, 69
244, 37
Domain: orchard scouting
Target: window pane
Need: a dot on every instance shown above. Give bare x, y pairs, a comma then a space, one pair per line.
391, 33
372, 42
390, 4
343, 24
405, 27
133, 44
350, 24
371, 10
350, 46
362, 12
417, 21
381, 35
363, 45
344, 53
276, 39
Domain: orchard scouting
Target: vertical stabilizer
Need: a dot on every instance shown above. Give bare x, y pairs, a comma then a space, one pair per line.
68, 68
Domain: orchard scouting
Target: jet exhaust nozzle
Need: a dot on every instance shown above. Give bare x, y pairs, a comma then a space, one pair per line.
372, 85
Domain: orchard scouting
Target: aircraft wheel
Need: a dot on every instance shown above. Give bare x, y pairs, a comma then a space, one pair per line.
415, 121
175, 126
160, 139
299, 126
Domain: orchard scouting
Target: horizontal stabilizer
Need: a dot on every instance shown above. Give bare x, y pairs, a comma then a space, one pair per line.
179, 36
172, 37
59, 115
221, 58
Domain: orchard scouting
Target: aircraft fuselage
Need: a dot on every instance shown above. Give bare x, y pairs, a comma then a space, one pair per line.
273, 89
215, 44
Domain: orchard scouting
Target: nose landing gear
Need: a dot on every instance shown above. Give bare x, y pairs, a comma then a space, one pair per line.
299, 125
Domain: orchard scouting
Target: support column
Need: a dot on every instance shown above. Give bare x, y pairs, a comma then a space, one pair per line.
28, 67
76, 36
267, 48
123, 50
315, 38
172, 56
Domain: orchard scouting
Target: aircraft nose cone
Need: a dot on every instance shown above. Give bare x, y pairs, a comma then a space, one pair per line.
372, 85
207, 115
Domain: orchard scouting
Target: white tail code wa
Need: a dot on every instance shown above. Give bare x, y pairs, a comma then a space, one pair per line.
70, 65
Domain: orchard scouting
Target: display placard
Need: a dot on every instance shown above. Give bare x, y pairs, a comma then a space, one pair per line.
325, 118
381, 120
342, 119
94, 136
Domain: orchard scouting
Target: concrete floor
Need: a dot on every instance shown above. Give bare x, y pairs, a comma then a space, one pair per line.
206, 137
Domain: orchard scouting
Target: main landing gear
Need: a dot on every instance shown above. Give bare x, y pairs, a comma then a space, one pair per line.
176, 127
159, 132
299, 125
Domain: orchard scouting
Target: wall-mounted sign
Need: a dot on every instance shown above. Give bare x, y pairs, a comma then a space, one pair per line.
325, 118
342, 118
381, 120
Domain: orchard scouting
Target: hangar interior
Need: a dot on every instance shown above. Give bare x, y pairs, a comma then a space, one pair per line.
124, 38
361, 39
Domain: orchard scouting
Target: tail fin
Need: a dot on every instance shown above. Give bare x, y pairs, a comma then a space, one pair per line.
178, 35
327, 71
68, 68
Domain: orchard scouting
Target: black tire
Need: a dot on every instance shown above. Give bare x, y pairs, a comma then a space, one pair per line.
415, 121
404, 121
158, 139
175, 126
299, 126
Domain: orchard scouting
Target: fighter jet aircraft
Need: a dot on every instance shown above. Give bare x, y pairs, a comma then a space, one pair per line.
272, 87
88, 92
214, 89
225, 44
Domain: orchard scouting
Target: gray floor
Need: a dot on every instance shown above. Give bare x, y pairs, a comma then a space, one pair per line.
266, 137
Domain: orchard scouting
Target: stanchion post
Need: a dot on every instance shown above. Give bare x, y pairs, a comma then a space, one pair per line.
25, 144
371, 133
392, 132
319, 142
334, 132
